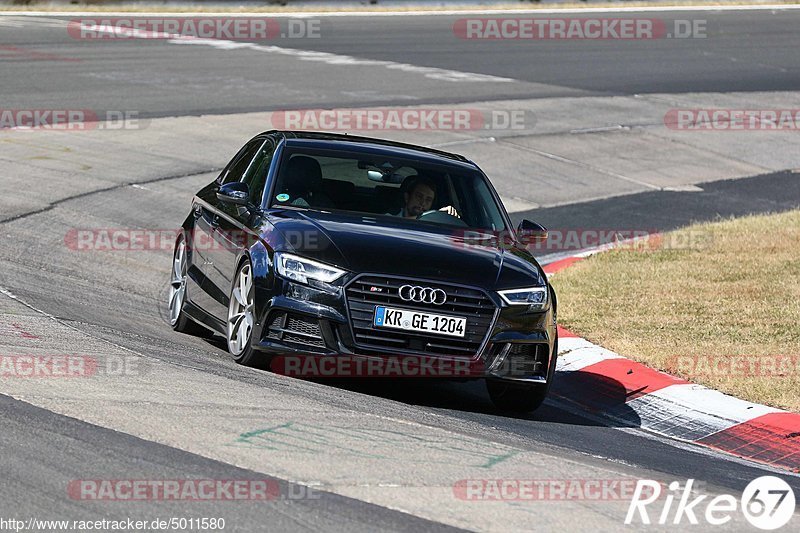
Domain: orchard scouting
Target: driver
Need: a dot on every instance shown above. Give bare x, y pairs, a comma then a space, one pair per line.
419, 195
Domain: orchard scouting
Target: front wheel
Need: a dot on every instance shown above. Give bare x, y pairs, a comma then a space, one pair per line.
240, 316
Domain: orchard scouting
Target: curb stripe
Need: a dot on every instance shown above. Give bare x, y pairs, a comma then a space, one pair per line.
632, 394
552, 268
565, 334
692, 412
608, 386
773, 439
576, 354
637, 379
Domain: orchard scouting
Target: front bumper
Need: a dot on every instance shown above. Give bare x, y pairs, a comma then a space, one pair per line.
505, 342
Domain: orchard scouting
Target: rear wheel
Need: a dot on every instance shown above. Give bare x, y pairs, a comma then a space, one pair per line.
177, 292
521, 397
240, 316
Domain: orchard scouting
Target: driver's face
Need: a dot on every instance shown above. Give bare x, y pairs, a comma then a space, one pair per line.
419, 200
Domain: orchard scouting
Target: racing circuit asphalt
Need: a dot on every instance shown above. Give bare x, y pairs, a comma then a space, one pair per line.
742, 51
185, 414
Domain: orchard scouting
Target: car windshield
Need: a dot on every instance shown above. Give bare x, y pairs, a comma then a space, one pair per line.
380, 185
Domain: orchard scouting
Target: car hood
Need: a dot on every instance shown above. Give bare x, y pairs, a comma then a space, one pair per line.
404, 248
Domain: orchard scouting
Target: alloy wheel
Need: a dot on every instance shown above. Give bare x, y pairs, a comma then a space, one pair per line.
240, 311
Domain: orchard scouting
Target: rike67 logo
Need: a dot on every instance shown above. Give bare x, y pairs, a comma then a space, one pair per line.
767, 503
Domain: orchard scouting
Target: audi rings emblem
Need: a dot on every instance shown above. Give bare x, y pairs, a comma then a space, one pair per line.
424, 295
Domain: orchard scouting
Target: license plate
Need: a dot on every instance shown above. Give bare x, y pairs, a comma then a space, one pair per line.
387, 317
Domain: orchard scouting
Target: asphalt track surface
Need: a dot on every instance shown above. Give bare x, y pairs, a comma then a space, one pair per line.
742, 51
116, 302
667, 210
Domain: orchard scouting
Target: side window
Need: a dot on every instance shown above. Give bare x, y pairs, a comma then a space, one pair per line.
256, 176
238, 165
482, 210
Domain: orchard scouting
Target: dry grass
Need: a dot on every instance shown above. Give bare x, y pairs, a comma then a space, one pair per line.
734, 299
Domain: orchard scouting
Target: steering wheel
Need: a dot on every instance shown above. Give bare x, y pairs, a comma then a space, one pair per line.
441, 217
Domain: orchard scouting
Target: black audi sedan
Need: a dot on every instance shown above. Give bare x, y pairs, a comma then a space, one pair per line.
349, 248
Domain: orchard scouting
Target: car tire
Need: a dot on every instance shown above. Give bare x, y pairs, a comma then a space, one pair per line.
178, 319
239, 326
521, 397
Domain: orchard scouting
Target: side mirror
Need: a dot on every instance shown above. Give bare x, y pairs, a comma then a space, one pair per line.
530, 232
236, 192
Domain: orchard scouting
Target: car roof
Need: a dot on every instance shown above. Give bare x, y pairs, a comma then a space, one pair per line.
335, 141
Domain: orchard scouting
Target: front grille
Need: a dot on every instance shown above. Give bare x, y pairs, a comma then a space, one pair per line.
467, 302
296, 329
524, 360
527, 359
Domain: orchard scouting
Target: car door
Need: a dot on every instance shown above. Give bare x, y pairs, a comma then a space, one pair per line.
234, 224
207, 238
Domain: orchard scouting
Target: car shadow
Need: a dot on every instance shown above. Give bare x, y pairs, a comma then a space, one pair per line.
598, 396
576, 398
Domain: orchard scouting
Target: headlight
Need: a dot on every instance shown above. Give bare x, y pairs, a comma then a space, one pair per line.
301, 269
536, 297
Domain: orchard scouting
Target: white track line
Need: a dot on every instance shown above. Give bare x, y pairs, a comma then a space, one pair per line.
305, 55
